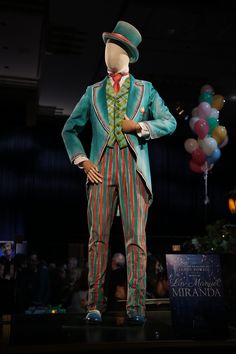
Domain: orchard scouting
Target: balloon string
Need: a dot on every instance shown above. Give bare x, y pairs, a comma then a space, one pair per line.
207, 200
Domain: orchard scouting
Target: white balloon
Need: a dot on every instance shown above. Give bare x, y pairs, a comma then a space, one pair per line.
214, 113
192, 122
208, 145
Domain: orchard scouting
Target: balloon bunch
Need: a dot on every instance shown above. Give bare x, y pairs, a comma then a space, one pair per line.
205, 149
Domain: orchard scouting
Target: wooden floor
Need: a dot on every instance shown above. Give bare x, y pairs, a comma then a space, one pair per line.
68, 333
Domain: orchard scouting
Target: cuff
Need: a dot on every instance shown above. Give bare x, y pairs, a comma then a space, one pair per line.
79, 159
144, 133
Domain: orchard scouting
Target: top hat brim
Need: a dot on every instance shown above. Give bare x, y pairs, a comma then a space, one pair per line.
130, 48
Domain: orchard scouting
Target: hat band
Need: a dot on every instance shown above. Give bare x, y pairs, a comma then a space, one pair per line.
120, 36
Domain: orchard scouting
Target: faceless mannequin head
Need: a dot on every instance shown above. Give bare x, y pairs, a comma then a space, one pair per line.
116, 58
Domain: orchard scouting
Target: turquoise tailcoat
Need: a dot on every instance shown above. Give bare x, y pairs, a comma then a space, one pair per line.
144, 105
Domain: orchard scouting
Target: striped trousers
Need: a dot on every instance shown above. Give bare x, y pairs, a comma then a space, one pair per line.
123, 185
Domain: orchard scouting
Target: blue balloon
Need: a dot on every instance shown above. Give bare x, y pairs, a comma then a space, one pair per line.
214, 156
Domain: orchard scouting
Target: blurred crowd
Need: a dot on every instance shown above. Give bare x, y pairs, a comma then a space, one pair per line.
29, 281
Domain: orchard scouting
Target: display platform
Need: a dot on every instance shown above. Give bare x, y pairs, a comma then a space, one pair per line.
69, 333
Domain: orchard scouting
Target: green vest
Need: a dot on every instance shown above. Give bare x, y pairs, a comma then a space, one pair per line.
116, 107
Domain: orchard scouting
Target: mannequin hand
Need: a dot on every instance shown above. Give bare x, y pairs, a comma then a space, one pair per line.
92, 172
129, 126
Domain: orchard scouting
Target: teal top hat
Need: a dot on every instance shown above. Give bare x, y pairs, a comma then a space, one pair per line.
127, 35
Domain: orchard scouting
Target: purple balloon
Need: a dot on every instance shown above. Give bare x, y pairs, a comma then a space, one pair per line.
204, 110
214, 113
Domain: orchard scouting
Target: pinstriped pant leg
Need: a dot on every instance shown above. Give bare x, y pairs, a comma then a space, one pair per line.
134, 203
102, 200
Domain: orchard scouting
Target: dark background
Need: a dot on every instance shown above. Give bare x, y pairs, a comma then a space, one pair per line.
49, 52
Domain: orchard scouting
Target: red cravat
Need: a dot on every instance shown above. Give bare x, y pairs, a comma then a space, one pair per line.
116, 78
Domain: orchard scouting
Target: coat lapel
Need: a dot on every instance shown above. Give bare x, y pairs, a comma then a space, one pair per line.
135, 97
100, 104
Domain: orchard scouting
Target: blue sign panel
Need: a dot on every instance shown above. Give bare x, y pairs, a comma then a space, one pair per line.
196, 295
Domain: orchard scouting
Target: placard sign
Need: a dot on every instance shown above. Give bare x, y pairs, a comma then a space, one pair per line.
196, 295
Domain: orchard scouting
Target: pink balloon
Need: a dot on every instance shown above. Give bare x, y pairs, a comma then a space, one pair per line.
190, 145
198, 156
201, 128
207, 88
204, 110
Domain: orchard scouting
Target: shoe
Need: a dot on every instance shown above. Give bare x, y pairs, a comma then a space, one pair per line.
138, 320
93, 316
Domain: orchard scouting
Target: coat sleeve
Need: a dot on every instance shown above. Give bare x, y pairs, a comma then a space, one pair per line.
161, 122
74, 126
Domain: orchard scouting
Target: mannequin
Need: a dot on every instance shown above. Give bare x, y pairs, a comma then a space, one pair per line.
124, 113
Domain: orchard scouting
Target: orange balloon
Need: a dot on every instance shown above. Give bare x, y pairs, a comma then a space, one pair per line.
219, 134
218, 102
